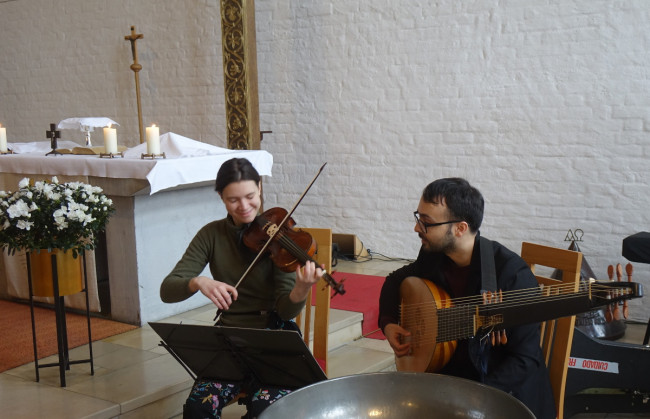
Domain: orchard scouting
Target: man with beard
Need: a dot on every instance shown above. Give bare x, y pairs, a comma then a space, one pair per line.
458, 260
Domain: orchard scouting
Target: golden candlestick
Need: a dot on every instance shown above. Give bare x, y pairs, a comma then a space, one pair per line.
136, 67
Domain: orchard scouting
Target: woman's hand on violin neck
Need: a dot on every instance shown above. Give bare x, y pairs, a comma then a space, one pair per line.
306, 276
220, 293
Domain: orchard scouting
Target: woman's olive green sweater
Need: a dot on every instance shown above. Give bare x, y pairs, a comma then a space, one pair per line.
266, 288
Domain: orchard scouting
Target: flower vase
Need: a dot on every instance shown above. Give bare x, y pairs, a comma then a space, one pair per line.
69, 272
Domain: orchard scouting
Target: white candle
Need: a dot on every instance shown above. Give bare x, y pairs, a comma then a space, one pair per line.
3, 139
110, 140
153, 140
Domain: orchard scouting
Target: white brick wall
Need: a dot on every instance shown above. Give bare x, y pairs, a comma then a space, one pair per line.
70, 58
544, 106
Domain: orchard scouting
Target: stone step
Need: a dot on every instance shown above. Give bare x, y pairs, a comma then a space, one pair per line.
361, 356
344, 327
350, 353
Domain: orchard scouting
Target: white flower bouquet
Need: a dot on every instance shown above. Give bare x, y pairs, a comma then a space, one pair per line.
52, 215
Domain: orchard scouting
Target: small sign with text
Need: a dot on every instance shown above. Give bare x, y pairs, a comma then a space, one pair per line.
593, 365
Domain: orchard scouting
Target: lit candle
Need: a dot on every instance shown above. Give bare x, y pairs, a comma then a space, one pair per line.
153, 139
3, 139
110, 140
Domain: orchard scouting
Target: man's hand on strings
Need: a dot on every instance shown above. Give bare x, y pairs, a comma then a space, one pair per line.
499, 337
306, 276
398, 338
220, 293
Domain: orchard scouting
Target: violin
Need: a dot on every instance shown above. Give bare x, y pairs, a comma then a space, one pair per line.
289, 247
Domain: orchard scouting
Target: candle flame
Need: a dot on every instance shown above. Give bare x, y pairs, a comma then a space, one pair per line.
153, 125
110, 125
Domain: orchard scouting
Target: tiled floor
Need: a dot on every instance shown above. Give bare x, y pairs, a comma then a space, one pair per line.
131, 371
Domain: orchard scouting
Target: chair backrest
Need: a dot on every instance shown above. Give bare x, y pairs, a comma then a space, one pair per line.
557, 335
318, 316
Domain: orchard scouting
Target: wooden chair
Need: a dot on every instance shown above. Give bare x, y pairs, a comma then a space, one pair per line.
321, 311
557, 335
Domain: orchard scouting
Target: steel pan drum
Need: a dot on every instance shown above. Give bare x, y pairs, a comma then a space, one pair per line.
397, 395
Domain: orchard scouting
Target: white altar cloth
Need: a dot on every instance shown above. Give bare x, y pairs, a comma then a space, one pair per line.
188, 161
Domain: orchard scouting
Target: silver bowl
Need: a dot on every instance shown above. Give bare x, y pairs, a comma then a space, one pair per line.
396, 395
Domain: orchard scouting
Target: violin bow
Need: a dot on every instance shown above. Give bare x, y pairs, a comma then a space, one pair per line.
290, 213
284, 220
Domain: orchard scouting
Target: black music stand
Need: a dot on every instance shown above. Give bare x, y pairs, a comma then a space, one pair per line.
253, 357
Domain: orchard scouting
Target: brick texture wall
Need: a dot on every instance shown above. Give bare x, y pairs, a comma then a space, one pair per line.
544, 106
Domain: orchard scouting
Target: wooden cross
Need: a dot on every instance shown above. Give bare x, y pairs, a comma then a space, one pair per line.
136, 67
53, 135
134, 50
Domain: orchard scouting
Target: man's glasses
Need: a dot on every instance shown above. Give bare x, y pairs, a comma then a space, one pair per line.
424, 225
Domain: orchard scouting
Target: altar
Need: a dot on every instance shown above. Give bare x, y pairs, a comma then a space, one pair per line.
160, 205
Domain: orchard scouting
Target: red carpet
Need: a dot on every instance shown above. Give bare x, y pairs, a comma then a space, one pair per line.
361, 295
16, 345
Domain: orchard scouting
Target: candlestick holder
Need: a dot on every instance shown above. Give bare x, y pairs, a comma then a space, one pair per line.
110, 155
153, 156
87, 130
9, 151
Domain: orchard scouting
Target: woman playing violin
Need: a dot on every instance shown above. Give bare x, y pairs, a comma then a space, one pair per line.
266, 298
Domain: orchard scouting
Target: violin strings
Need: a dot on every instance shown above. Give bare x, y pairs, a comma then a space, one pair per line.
292, 247
302, 256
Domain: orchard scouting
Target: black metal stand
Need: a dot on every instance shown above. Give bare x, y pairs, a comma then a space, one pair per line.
61, 327
253, 357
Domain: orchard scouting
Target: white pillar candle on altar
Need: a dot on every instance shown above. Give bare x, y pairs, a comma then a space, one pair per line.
110, 140
3, 139
153, 140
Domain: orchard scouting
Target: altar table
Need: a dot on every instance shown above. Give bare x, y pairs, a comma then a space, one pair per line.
160, 205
